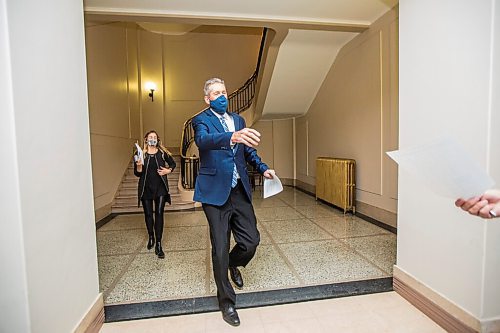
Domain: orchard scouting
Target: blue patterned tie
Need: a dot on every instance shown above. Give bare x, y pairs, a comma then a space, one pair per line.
234, 181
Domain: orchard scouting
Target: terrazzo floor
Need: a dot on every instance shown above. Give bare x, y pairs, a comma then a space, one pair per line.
303, 242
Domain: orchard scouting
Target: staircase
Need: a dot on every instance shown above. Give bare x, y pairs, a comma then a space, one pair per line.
126, 199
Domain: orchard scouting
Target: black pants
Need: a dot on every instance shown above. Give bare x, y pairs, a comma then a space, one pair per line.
236, 216
154, 226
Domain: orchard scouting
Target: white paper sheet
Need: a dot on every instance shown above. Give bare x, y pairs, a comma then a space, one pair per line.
272, 186
445, 167
140, 154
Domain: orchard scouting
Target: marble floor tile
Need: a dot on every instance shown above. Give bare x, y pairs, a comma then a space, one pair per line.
120, 241
109, 268
318, 211
124, 222
320, 245
180, 274
268, 202
183, 238
267, 270
277, 213
301, 230
346, 226
299, 200
379, 249
185, 219
328, 261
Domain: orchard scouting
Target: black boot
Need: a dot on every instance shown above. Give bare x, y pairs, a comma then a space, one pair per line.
151, 242
159, 250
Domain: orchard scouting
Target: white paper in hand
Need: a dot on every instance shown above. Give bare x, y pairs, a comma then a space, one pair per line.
140, 154
272, 186
445, 167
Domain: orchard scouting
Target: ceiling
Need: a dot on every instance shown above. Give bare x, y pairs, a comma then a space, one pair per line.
323, 12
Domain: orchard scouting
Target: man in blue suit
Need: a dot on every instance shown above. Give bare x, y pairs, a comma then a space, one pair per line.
223, 188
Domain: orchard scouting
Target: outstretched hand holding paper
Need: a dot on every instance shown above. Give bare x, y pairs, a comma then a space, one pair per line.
272, 186
445, 167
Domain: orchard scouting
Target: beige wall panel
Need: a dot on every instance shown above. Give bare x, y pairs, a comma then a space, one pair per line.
110, 157
176, 114
355, 114
346, 114
302, 150
151, 68
283, 147
265, 148
114, 113
391, 127
107, 80
193, 58
133, 83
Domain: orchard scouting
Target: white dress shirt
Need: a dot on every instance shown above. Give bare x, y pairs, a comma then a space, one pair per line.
230, 125
228, 119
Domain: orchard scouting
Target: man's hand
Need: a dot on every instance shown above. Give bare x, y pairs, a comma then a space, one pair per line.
246, 136
269, 173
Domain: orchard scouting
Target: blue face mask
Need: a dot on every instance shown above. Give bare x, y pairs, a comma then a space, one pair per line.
219, 105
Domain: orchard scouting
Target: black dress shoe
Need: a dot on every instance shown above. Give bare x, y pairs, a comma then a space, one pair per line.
151, 242
159, 251
236, 277
230, 315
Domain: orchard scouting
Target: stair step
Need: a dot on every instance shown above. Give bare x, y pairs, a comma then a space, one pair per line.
126, 198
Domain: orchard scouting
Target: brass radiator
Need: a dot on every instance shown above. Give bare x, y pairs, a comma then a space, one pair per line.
336, 182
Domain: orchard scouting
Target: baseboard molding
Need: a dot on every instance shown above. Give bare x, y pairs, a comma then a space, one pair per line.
377, 213
287, 181
308, 188
442, 311
490, 326
102, 212
94, 318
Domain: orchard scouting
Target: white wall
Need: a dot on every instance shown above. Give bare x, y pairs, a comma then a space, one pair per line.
14, 312
51, 269
446, 69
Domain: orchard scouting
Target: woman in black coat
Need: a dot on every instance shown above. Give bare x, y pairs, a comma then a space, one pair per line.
153, 187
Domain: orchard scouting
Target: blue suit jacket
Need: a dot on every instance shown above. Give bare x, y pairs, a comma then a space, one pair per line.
213, 184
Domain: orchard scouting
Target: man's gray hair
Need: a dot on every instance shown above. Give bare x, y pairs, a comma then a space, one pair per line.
210, 82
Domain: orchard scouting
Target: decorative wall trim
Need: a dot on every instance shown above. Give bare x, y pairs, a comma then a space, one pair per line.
94, 319
446, 314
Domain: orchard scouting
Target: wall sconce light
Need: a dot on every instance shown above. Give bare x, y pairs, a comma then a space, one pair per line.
151, 86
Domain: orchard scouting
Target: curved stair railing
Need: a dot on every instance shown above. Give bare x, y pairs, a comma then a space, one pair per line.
239, 101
